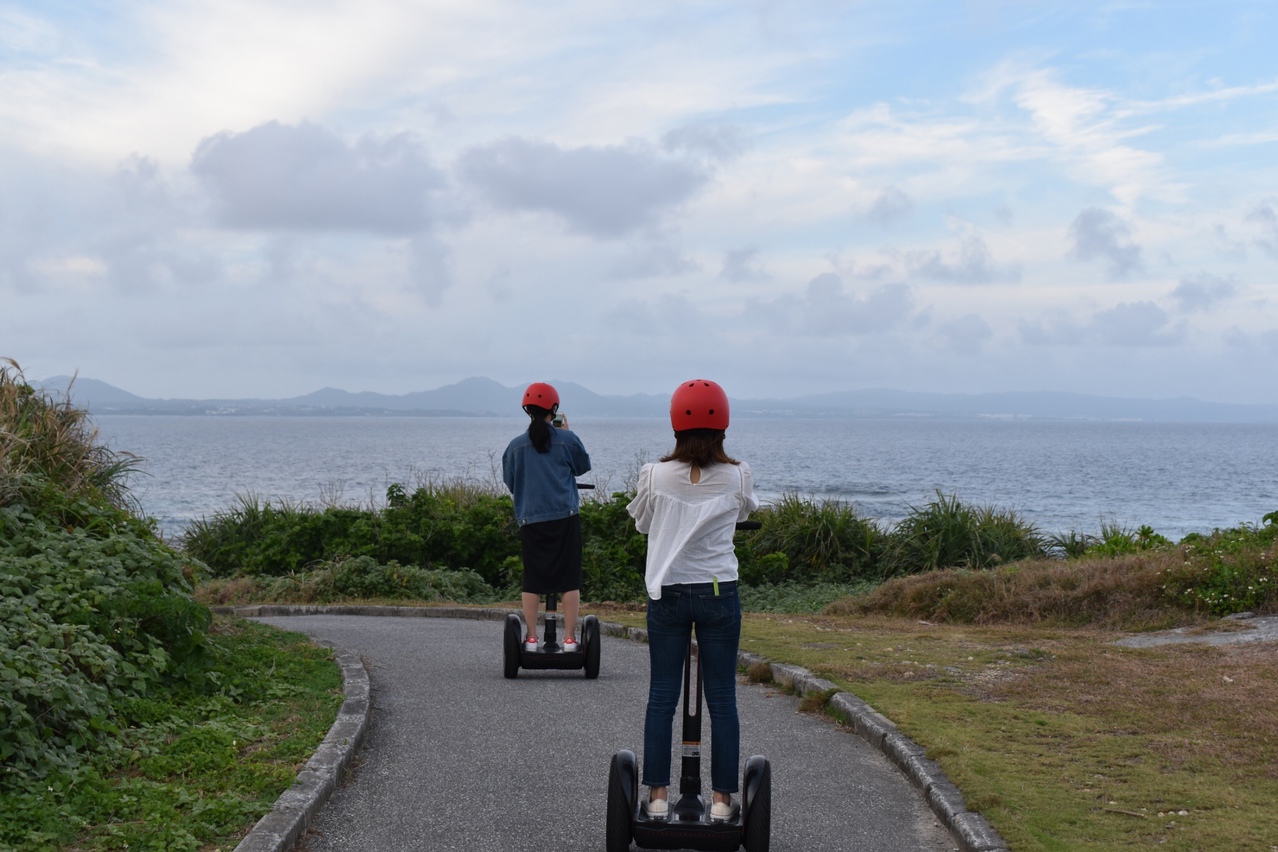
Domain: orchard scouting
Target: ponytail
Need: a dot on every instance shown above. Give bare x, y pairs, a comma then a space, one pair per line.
539, 431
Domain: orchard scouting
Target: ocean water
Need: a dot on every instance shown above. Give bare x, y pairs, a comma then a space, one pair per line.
1059, 475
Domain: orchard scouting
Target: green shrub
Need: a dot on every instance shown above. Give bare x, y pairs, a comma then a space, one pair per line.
363, 577
810, 542
191, 770
947, 533
454, 525
1115, 540
94, 609
1229, 570
613, 551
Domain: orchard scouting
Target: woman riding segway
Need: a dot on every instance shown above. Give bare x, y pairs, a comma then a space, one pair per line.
689, 504
539, 467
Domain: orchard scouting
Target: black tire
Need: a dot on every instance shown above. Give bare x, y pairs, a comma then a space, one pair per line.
514, 639
590, 645
757, 830
621, 807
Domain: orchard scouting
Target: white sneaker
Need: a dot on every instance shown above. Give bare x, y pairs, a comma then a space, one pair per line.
531, 645
719, 812
656, 808
570, 645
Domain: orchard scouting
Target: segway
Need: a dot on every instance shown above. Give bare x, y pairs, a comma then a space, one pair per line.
687, 824
551, 655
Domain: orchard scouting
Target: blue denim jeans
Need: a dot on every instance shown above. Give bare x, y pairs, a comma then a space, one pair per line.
718, 626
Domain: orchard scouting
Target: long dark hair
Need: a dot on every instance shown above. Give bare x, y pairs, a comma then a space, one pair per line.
701, 447
539, 431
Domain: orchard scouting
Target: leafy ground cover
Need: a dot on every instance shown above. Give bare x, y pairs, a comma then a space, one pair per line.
194, 771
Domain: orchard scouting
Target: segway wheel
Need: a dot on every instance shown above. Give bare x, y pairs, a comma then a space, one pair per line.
514, 627
622, 796
757, 831
590, 645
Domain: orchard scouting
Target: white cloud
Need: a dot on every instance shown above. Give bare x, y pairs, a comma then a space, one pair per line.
1098, 234
966, 334
1201, 292
743, 264
824, 309
303, 177
970, 262
891, 206
605, 192
394, 192
1125, 325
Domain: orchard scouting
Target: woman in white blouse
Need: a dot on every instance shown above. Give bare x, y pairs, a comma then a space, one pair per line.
689, 504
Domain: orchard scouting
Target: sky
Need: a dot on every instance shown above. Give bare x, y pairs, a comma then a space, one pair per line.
262, 198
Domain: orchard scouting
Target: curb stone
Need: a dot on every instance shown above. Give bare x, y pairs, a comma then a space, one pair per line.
279, 830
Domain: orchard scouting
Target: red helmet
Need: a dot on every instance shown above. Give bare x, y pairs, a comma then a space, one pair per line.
699, 404
541, 395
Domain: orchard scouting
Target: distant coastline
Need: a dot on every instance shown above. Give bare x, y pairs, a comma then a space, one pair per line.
482, 397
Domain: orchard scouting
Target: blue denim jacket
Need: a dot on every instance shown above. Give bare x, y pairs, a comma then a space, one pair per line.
544, 484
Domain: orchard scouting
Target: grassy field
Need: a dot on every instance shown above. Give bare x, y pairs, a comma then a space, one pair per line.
1062, 739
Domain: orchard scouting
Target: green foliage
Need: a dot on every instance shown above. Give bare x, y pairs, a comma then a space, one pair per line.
810, 542
94, 609
192, 769
947, 533
613, 551
86, 622
455, 526
1115, 540
797, 597
1228, 571
363, 578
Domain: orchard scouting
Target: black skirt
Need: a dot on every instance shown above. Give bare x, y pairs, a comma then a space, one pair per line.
551, 551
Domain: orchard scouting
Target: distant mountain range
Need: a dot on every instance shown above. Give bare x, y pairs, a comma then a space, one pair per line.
487, 398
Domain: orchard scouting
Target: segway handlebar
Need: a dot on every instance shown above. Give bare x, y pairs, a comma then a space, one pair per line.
749, 525
585, 486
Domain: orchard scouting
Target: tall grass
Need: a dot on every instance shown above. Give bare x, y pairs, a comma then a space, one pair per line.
49, 449
812, 542
949, 533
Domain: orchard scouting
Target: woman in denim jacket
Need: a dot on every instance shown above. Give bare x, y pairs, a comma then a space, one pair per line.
540, 469
689, 504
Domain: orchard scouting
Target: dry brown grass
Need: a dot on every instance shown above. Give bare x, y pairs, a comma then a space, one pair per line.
1122, 592
1195, 705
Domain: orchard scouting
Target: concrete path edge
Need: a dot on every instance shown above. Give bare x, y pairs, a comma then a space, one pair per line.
280, 829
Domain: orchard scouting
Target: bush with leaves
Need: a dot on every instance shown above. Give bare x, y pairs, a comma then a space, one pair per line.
809, 542
947, 533
1228, 571
95, 610
613, 551
453, 525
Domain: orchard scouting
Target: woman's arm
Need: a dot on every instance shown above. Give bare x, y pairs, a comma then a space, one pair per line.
640, 508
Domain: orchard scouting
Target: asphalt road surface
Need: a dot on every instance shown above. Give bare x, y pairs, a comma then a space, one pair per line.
459, 758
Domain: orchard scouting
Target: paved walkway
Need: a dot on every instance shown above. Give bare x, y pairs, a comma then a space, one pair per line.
459, 758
